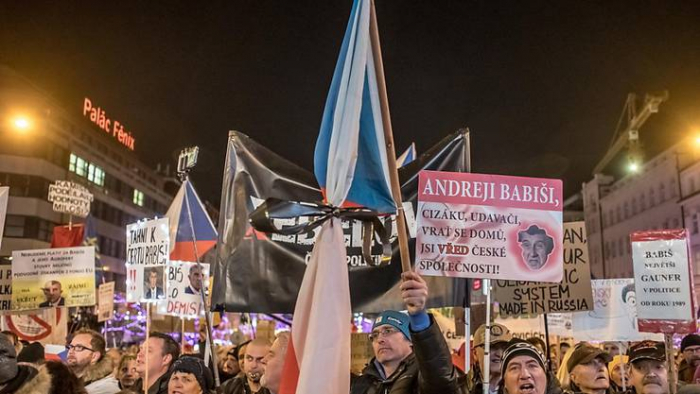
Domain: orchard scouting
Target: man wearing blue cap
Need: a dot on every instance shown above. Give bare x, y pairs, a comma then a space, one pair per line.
411, 355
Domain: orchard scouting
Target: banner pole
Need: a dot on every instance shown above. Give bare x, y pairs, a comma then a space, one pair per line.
672, 374
546, 341
182, 335
487, 338
622, 367
207, 314
467, 317
148, 331
389, 142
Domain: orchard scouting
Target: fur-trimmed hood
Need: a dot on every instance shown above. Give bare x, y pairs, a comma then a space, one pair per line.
39, 384
101, 370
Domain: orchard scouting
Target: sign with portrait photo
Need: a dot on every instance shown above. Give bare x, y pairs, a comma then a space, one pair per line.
147, 254
572, 294
46, 278
663, 280
489, 226
186, 281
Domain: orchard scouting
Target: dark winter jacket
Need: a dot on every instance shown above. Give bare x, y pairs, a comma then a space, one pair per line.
29, 380
428, 370
239, 385
159, 387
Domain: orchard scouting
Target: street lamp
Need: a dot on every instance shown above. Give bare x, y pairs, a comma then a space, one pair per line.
21, 123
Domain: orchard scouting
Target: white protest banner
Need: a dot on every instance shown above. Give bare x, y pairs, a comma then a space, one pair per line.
45, 278
4, 196
48, 326
614, 314
70, 198
185, 283
105, 301
147, 253
489, 226
525, 327
663, 280
572, 294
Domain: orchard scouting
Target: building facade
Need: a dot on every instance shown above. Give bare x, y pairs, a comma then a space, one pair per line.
57, 142
663, 194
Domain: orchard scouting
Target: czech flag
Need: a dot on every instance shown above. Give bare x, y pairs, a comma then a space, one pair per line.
351, 166
181, 234
350, 147
407, 156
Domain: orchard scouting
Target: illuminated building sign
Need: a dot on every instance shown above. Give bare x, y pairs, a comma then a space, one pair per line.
99, 117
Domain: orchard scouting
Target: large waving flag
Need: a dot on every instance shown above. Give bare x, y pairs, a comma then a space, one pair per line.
351, 166
350, 149
181, 245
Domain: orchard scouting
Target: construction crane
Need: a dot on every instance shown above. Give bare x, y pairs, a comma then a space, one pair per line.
628, 138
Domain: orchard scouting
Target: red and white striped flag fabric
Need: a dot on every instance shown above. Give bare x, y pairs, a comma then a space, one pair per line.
318, 356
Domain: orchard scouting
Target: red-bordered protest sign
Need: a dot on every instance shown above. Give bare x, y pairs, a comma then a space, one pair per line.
663, 281
489, 226
47, 326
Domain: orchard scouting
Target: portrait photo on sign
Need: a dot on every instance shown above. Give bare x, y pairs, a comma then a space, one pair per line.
154, 288
536, 246
187, 281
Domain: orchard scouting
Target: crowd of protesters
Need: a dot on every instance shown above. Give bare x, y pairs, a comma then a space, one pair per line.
410, 356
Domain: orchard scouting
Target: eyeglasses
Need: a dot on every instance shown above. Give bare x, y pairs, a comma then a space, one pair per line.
384, 332
78, 348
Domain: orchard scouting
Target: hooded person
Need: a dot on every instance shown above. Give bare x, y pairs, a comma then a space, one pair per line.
190, 376
619, 372
20, 378
524, 371
588, 371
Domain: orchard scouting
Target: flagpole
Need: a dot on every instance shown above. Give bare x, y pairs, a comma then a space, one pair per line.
389, 141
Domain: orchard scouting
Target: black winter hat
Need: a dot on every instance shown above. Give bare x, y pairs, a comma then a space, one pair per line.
32, 353
690, 340
195, 366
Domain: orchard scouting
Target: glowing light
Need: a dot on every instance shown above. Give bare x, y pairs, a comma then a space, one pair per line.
633, 167
21, 123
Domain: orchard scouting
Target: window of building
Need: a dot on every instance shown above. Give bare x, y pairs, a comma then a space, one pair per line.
138, 197
692, 185
695, 228
611, 217
673, 188
642, 202
14, 226
675, 223
618, 214
652, 198
662, 193
83, 168
621, 247
627, 209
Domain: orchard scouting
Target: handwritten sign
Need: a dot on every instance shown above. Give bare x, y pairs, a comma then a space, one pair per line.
45, 278
70, 198
186, 281
105, 301
147, 254
489, 226
663, 281
572, 294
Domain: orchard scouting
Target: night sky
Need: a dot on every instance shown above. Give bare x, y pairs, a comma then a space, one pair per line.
541, 85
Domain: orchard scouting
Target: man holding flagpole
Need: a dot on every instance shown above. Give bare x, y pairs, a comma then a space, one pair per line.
411, 355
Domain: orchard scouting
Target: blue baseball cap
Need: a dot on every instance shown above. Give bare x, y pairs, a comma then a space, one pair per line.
396, 319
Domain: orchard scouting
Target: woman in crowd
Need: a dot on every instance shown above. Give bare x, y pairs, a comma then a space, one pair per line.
190, 376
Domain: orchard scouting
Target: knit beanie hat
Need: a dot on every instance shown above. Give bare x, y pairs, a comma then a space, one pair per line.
195, 366
690, 340
518, 347
396, 319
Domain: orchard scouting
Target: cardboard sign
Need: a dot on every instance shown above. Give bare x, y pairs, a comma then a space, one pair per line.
265, 329
572, 294
4, 195
71, 198
186, 281
663, 280
489, 226
105, 301
147, 254
5, 288
360, 351
48, 326
614, 314
45, 278
444, 317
